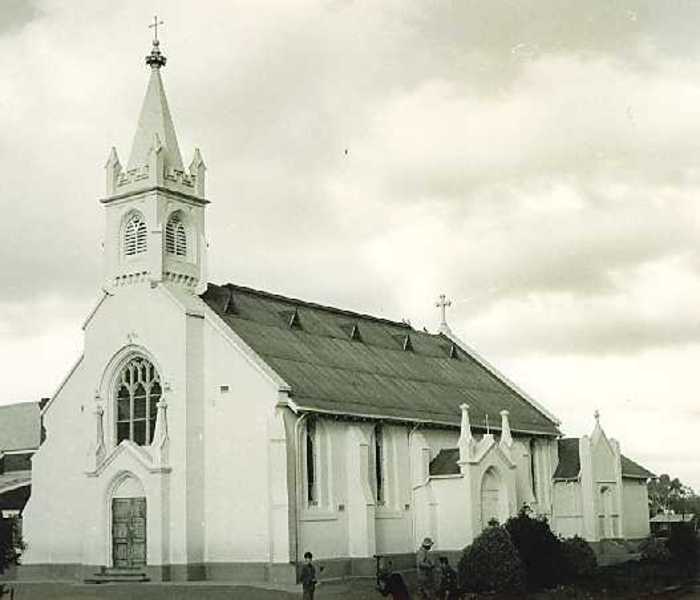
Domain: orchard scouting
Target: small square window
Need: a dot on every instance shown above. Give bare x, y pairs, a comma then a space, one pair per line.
224, 389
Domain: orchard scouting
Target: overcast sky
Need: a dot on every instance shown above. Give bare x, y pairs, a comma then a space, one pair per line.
537, 161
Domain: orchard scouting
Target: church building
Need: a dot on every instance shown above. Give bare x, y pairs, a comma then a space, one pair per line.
219, 432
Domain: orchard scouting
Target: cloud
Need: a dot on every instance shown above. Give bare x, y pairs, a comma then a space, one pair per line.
536, 160
16, 14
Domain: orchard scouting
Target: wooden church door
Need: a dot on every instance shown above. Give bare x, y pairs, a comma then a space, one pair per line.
129, 532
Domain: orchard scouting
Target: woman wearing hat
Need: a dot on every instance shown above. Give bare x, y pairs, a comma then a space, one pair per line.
426, 570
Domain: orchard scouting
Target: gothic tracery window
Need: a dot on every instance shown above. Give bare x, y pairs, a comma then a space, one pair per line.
135, 236
176, 236
137, 395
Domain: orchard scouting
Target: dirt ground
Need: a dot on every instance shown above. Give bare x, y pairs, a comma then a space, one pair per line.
358, 589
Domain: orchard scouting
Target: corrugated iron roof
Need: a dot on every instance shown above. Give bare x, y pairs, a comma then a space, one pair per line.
570, 463
373, 372
445, 463
15, 480
672, 518
20, 426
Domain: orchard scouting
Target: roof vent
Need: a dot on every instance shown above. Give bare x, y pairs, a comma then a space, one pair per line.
454, 353
407, 345
229, 304
292, 318
355, 333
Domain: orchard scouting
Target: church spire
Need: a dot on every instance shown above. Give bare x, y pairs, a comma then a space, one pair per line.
155, 205
155, 131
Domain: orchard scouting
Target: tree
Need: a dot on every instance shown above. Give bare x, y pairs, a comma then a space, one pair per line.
539, 549
11, 544
663, 492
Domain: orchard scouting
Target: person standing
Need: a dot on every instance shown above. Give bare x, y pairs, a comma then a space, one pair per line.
425, 566
447, 589
308, 577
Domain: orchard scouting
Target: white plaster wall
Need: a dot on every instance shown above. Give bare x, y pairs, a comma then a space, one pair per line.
61, 490
603, 461
453, 503
236, 433
635, 501
323, 529
567, 518
394, 523
58, 484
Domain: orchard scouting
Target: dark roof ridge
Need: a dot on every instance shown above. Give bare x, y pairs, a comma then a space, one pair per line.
340, 311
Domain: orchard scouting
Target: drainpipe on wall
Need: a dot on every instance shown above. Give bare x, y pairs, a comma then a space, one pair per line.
299, 480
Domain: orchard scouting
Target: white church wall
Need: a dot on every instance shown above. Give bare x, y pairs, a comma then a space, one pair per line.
567, 517
452, 499
393, 527
323, 528
239, 402
603, 460
139, 319
635, 508
49, 527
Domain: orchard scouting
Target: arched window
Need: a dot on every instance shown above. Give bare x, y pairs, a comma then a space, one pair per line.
135, 236
176, 236
379, 463
311, 457
138, 391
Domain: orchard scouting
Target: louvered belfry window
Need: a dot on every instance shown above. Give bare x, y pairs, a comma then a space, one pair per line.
135, 236
138, 393
176, 236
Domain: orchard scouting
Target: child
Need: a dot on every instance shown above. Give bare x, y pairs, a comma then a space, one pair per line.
308, 577
448, 581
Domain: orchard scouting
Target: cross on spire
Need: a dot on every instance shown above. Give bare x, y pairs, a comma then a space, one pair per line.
155, 59
443, 303
154, 26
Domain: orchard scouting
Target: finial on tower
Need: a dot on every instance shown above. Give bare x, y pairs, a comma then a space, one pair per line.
596, 414
155, 59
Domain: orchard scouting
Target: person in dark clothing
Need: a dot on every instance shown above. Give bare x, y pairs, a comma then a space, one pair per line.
391, 582
425, 565
308, 577
447, 589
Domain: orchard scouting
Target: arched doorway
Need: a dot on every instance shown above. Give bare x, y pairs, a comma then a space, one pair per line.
128, 506
491, 497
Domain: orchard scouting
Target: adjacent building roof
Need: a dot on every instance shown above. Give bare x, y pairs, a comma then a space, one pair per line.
672, 518
20, 426
341, 362
445, 463
10, 482
570, 463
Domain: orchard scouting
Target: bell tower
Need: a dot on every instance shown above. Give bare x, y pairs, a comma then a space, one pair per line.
155, 207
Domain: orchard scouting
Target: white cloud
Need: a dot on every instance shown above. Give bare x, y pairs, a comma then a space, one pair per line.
553, 188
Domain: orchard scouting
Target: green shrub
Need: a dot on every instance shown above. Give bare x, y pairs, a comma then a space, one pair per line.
683, 545
654, 550
11, 544
491, 563
578, 559
539, 549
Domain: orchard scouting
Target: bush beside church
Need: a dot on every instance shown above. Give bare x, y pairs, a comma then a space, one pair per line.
523, 554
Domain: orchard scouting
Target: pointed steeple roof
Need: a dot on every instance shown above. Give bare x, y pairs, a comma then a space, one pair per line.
155, 126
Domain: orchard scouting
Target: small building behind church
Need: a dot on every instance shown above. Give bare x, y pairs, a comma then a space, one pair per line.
20, 437
214, 431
